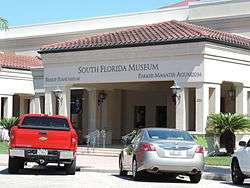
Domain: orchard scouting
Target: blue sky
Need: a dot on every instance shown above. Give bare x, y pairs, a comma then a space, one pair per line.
26, 12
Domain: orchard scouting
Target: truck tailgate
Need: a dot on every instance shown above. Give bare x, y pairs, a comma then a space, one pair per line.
35, 138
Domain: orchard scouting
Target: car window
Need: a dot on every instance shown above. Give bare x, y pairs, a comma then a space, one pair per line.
45, 123
169, 135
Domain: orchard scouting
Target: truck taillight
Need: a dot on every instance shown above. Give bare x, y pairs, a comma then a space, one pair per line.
73, 141
199, 149
147, 147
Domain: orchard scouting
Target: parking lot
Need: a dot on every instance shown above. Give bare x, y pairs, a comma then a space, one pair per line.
93, 171
54, 177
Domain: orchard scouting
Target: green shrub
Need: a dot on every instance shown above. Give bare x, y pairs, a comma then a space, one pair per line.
7, 123
200, 140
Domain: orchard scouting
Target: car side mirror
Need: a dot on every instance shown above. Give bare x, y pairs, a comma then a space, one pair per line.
126, 141
242, 144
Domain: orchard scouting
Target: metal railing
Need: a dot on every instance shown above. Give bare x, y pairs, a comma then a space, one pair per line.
98, 138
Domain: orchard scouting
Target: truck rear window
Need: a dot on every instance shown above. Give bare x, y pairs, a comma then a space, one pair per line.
45, 123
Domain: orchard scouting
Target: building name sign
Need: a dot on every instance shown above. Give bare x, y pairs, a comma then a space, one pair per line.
118, 68
119, 73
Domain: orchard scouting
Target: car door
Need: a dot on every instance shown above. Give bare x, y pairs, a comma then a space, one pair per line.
243, 155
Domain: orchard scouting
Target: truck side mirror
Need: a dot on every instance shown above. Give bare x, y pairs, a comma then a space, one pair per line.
242, 143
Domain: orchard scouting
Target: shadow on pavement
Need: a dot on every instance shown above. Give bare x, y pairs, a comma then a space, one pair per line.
156, 178
230, 183
39, 170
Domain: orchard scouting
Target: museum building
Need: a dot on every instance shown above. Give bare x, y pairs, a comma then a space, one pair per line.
170, 67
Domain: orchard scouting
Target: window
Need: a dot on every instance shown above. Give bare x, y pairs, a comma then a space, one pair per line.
169, 135
139, 116
161, 116
45, 123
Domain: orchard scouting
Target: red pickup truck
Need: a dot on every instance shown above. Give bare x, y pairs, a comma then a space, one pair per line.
43, 139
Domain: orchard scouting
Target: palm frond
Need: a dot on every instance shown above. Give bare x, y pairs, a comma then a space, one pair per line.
3, 24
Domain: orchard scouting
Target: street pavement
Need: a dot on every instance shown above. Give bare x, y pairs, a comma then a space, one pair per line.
98, 171
53, 177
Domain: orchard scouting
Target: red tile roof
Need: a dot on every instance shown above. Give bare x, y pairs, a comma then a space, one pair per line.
8, 60
181, 4
154, 34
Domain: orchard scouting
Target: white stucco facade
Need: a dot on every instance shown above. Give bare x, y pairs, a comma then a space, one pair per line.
134, 79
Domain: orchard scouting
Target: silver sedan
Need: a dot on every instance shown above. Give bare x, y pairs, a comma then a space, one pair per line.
161, 150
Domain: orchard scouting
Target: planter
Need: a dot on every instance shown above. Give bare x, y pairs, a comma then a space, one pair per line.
5, 135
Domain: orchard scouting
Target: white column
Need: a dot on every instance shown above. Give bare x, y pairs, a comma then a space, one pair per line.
92, 110
241, 100
214, 98
181, 113
64, 104
202, 107
35, 107
9, 107
49, 102
217, 98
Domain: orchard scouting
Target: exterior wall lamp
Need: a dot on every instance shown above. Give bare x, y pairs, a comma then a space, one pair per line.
101, 97
231, 93
59, 98
175, 93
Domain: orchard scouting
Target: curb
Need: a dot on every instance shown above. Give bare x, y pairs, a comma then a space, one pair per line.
99, 170
216, 177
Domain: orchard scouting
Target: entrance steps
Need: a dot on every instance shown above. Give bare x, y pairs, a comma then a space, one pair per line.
107, 152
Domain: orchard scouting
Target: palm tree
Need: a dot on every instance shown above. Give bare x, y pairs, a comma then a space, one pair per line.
226, 125
3, 24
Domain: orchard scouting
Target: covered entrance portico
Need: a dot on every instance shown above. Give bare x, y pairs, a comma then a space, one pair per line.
119, 87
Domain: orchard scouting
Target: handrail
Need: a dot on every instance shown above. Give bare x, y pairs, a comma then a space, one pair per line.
95, 138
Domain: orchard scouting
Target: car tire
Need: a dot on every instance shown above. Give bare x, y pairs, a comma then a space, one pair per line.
14, 165
237, 175
122, 172
137, 175
195, 178
70, 169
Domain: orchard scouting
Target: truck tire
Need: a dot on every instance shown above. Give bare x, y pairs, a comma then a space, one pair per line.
14, 165
70, 169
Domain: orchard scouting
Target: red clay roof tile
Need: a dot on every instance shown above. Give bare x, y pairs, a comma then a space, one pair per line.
154, 34
8, 60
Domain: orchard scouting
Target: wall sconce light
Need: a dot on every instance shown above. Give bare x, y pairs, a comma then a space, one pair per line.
231, 93
175, 93
58, 95
101, 97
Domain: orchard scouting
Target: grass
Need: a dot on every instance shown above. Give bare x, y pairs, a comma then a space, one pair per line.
3, 148
218, 161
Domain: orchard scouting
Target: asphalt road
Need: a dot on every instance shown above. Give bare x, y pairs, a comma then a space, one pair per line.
53, 177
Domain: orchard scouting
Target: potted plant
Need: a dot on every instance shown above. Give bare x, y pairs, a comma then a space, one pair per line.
225, 125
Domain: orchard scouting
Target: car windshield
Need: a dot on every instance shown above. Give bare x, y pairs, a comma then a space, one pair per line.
45, 123
169, 135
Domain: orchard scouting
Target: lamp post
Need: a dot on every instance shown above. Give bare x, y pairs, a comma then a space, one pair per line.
58, 96
101, 97
175, 93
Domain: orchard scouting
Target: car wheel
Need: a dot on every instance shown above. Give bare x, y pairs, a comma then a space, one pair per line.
122, 172
71, 168
237, 176
195, 178
137, 176
14, 165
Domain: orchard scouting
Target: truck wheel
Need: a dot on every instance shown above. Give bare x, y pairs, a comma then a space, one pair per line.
237, 176
71, 168
14, 165
195, 178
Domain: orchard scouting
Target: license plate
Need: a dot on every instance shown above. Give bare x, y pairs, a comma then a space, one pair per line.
42, 152
175, 153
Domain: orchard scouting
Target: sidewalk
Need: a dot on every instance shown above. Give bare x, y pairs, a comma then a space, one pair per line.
110, 165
